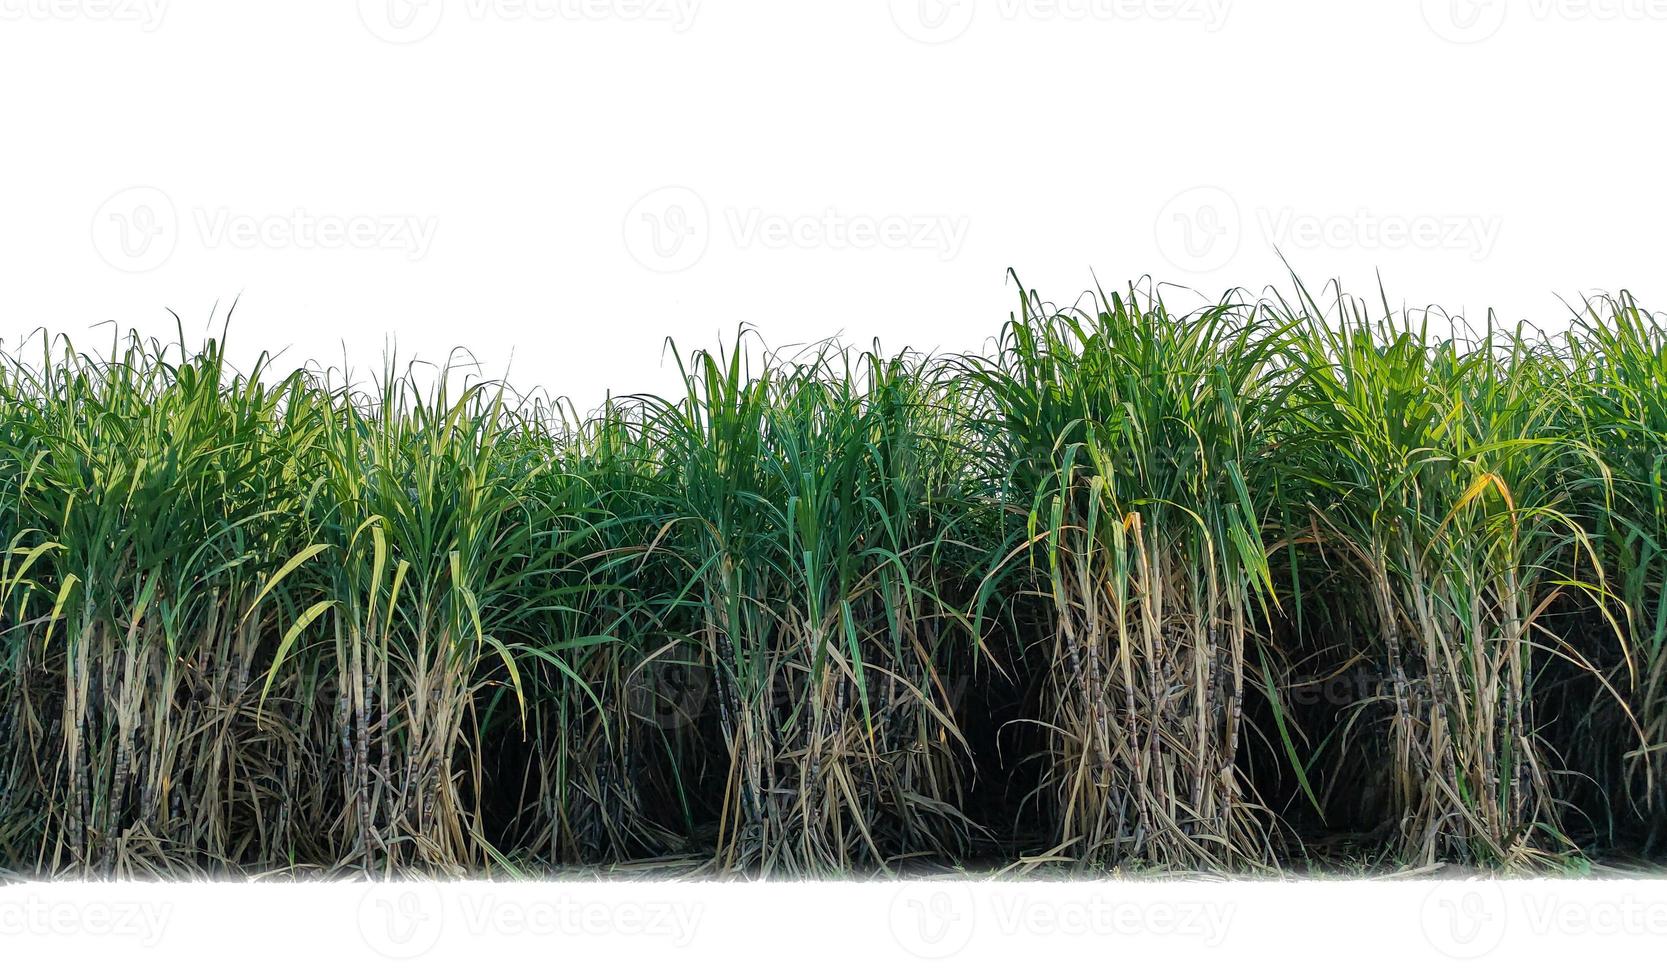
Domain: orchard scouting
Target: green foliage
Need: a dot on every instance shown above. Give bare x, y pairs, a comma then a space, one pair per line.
1269, 581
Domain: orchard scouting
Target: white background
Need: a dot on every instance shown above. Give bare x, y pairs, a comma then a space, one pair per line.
1472, 152
569, 183
838, 930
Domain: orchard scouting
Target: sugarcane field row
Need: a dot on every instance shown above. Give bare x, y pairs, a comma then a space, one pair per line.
1294, 580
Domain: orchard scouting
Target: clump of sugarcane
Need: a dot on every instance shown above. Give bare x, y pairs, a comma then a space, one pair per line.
1440, 472
1618, 406
150, 496
413, 587
1125, 438
803, 516
615, 703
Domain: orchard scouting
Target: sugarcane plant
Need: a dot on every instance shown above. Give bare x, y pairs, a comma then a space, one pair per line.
812, 522
1127, 441
1268, 581
1437, 472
